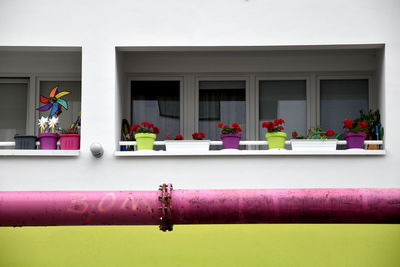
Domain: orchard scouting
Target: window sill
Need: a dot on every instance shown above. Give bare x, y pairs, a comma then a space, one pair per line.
351, 152
38, 153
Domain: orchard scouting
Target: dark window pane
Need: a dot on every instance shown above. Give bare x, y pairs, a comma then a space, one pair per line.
157, 102
340, 100
286, 99
221, 101
13, 108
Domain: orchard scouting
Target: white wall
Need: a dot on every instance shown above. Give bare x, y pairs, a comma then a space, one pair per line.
99, 28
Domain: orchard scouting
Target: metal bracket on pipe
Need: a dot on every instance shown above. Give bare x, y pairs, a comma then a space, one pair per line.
166, 208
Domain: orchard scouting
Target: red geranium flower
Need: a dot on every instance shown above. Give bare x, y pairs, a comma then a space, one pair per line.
226, 126
280, 128
330, 133
168, 137
156, 130
363, 124
295, 134
179, 137
348, 124
220, 125
235, 125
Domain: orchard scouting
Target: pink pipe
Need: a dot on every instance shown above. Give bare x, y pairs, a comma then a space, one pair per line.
201, 207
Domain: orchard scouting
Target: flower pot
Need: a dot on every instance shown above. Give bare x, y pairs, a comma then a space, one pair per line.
314, 144
231, 140
355, 140
145, 141
70, 141
187, 145
48, 141
276, 140
25, 141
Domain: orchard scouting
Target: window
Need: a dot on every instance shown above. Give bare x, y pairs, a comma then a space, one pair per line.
71, 114
283, 99
13, 108
342, 99
221, 101
157, 102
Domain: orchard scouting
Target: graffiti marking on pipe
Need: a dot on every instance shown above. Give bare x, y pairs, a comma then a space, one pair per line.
104, 208
79, 204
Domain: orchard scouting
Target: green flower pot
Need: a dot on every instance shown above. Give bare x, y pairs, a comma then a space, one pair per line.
276, 140
145, 141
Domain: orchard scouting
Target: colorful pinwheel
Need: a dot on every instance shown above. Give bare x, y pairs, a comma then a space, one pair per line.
54, 101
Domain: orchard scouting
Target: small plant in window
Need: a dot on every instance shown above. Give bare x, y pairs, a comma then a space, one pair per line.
274, 126
230, 135
316, 133
315, 140
355, 133
70, 138
145, 134
177, 137
198, 136
275, 135
48, 137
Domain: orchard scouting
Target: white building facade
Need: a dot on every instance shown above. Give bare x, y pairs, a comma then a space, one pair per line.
107, 45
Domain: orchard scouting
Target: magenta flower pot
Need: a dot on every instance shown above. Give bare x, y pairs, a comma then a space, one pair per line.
355, 140
48, 141
231, 140
70, 141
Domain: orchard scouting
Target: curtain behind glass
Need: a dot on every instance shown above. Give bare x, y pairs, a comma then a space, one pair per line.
286, 99
157, 102
13, 108
221, 101
340, 100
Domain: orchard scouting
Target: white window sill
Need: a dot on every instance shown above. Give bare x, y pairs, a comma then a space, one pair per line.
277, 152
38, 153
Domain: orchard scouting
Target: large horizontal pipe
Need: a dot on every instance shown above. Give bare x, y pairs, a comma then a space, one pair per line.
200, 207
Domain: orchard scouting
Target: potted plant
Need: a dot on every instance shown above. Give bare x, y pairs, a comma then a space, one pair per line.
230, 135
48, 137
25, 141
315, 140
145, 134
70, 139
275, 137
178, 144
375, 129
355, 133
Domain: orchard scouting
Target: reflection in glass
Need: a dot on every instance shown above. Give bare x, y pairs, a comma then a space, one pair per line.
340, 100
286, 99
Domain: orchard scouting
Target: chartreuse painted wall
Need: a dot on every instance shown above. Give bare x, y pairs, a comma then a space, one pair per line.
202, 245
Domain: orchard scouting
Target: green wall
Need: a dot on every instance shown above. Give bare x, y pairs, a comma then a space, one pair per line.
205, 245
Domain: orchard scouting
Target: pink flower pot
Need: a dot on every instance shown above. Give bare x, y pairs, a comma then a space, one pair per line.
355, 140
48, 141
70, 141
231, 140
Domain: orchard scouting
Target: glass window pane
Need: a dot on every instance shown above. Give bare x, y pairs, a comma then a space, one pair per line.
340, 100
286, 99
13, 108
157, 102
221, 101
70, 115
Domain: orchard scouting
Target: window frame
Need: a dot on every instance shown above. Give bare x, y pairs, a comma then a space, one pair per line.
189, 93
372, 103
291, 77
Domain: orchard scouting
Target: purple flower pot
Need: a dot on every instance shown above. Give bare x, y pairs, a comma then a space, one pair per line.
48, 141
355, 140
231, 140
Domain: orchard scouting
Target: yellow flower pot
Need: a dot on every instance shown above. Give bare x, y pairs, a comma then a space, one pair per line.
276, 140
